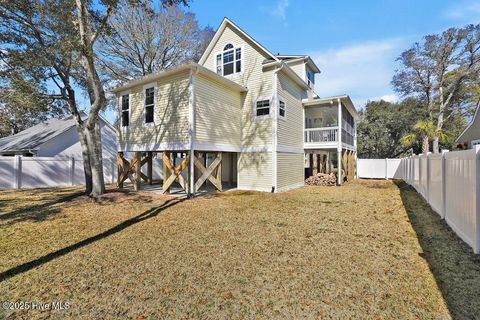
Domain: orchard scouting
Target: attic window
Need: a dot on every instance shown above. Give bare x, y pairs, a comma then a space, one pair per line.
310, 78
229, 61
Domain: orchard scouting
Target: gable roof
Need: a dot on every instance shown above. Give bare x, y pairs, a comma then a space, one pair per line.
191, 66
30, 139
464, 136
226, 22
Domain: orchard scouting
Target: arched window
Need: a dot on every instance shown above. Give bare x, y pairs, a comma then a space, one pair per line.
230, 60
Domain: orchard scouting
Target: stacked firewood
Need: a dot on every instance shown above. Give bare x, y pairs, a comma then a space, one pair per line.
321, 179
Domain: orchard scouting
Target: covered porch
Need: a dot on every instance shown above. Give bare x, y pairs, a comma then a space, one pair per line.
330, 138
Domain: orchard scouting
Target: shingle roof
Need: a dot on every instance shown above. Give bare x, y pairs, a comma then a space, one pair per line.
33, 137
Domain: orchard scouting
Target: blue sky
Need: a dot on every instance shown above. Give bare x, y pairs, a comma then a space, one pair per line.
355, 43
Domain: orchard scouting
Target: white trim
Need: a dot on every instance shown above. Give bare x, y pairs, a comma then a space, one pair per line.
469, 125
256, 149
191, 129
274, 128
132, 147
155, 96
292, 186
219, 32
287, 149
266, 116
120, 111
234, 74
216, 147
281, 99
173, 71
254, 189
181, 147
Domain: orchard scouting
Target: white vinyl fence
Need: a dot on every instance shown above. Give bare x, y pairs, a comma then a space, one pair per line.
40, 172
449, 182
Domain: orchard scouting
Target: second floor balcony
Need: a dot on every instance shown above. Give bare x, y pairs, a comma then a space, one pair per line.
322, 129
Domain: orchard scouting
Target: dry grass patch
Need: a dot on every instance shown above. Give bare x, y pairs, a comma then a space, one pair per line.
346, 252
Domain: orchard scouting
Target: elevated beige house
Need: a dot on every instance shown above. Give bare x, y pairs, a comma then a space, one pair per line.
242, 116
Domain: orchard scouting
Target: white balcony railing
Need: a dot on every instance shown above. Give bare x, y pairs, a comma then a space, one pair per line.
321, 135
348, 128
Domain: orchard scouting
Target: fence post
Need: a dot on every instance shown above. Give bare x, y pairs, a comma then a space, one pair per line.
17, 180
444, 184
386, 168
427, 196
476, 248
72, 171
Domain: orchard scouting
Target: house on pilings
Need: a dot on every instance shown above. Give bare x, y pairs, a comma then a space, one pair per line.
241, 117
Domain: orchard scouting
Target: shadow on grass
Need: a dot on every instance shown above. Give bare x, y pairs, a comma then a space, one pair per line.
42, 211
153, 212
452, 262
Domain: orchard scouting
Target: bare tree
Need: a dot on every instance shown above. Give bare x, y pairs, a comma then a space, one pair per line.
145, 38
54, 42
438, 69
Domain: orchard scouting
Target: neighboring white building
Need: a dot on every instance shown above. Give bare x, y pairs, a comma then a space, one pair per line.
56, 138
471, 135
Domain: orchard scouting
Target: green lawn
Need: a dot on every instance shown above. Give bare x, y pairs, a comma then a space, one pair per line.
365, 250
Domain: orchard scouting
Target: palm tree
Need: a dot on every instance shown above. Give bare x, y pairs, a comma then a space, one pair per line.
426, 131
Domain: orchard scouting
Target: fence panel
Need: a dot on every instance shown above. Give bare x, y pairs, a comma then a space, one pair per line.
394, 170
450, 183
435, 173
41, 172
45, 172
461, 191
371, 168
7, 172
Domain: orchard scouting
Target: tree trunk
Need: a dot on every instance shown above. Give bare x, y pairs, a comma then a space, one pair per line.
96, 162
87, 168
425, 145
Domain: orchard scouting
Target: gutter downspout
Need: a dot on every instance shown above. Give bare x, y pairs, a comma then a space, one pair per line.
275, 127
339, 146
191, 131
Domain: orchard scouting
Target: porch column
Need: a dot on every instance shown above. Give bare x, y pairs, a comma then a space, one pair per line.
339, 145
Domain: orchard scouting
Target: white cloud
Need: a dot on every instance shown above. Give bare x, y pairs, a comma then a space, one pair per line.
280, 9
465, 11
363, 70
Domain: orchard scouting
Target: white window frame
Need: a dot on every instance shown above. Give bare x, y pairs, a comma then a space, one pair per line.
242, 59
120, 110
144, 110
265, 116
281, 100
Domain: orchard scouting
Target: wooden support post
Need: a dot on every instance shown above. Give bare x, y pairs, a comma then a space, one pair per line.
138, 171
310, 163
232, 168
319, 167
219, 170
150, 167
166, 171
119, 169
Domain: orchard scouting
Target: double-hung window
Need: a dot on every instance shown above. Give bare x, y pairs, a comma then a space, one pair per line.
229, 61
281, 109
149, 104
125, 112
262, 108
